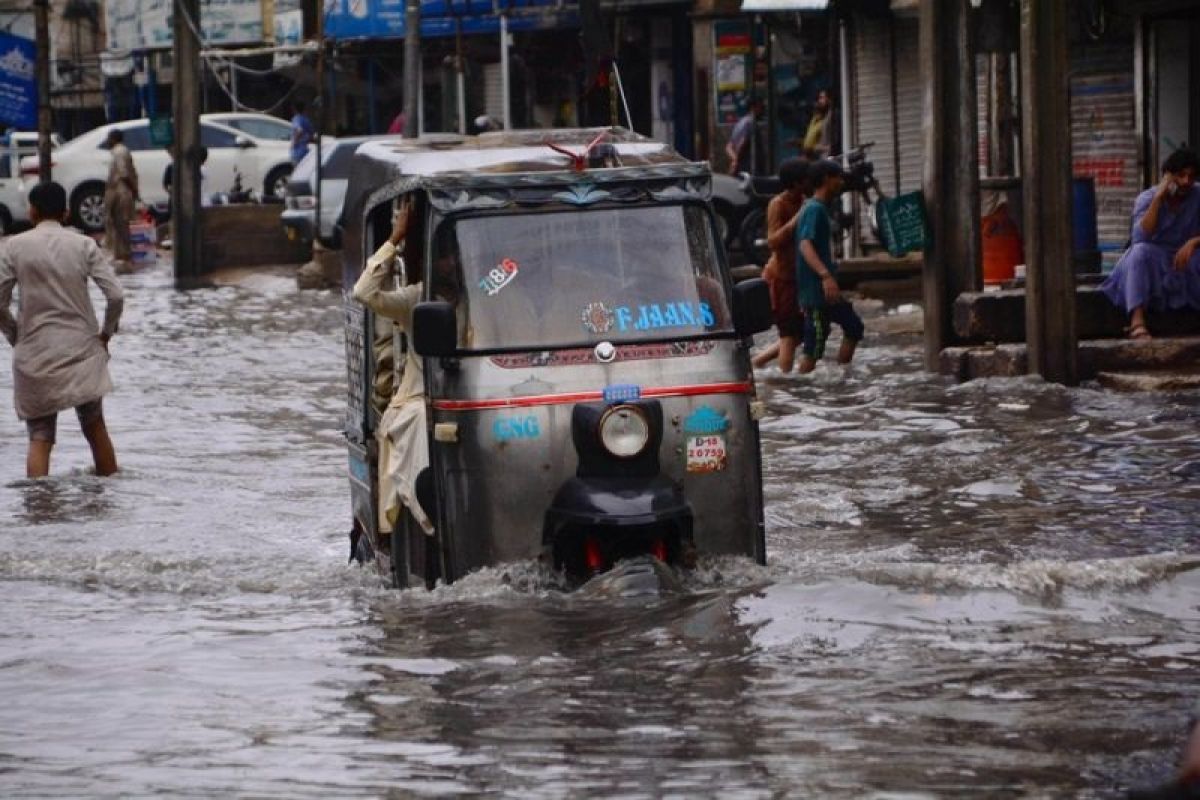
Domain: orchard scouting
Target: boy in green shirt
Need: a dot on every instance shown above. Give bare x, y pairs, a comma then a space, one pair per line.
816, 285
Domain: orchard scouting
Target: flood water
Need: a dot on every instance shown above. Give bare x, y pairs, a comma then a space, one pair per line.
989, 589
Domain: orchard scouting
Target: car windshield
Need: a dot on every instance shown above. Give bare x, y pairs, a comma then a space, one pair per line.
554, 279
277, 130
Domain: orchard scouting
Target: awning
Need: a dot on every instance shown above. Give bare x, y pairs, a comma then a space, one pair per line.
785, 5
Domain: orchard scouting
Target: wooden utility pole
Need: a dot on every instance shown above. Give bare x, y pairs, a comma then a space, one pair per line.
322, 121
412, 66
951, 181
185, 152
1050, 331
41, 21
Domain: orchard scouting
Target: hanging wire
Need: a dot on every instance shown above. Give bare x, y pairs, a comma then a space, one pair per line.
238, 105
233, 64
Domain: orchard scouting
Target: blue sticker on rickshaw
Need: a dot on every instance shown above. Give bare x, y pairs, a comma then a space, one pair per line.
506, 429
656, 316
622, 392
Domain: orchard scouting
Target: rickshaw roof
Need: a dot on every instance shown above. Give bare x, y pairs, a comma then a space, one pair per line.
499, 168
511, 152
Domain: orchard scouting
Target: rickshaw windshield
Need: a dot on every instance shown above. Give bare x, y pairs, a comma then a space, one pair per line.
562, 278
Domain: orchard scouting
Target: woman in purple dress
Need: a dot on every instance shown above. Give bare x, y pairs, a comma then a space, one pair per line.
1161, 270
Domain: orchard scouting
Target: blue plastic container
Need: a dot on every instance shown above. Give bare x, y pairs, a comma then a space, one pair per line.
1085, 246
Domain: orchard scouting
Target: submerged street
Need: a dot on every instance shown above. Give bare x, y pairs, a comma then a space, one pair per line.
987, 589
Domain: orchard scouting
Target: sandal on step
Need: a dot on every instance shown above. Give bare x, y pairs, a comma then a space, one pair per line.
1139, 332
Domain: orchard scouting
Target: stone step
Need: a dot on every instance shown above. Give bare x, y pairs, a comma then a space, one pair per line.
999, 316
1173, 354
1152, 380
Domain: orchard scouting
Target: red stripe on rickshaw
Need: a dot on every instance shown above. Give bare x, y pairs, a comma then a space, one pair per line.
739, 387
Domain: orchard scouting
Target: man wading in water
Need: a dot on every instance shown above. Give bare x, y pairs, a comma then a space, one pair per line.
60, 355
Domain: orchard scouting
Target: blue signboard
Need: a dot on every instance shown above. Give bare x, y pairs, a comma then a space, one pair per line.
18, 86
365, 19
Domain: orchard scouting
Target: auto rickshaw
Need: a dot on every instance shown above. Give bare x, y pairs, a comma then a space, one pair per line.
588, 394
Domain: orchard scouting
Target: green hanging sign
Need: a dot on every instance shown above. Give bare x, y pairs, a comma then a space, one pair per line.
902, 223
162, 131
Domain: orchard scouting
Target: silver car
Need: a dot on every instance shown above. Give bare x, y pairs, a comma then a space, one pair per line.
300, 205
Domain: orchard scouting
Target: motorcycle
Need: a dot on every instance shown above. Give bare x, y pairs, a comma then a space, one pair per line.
859, 178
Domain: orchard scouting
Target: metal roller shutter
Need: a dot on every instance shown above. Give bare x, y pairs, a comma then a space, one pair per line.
1104, 139
874, 110
873, 102
909, 104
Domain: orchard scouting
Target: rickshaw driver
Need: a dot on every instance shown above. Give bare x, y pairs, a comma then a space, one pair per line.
402, 436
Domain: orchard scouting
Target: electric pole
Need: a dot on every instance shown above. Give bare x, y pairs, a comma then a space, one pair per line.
412, 66
41, 21
185, 152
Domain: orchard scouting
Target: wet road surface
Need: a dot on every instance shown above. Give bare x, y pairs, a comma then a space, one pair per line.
990, 589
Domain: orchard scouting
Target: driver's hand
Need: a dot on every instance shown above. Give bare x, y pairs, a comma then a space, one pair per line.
400, 224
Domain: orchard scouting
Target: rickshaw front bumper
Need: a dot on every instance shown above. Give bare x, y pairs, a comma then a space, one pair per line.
595, 522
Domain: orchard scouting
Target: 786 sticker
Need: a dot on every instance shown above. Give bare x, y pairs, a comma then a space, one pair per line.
499, 277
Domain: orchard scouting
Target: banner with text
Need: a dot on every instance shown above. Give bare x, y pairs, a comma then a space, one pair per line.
384, 19
18, 84
146, 24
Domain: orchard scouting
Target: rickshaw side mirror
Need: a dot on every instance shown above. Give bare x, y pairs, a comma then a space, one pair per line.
751, 307
435, 329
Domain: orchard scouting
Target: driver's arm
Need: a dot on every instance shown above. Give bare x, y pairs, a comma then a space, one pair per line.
371, 288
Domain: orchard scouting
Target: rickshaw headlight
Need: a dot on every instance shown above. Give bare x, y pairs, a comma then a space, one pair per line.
624, 431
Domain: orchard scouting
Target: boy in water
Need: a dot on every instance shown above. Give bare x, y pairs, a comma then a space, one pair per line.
816, 283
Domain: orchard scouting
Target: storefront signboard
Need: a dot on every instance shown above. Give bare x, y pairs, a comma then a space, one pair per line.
369, 19
146, 24
18, 87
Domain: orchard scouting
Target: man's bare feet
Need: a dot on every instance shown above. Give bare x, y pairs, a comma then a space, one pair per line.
806, 366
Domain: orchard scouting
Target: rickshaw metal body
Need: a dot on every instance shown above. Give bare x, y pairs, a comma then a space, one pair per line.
500, 419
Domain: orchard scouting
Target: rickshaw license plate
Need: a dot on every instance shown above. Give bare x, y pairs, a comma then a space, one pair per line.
706, 453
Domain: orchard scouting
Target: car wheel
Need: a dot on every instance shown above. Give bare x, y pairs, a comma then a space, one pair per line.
277, 181
87, 207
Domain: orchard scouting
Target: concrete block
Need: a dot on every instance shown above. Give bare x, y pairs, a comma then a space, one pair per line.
247, 235
1178, 356
1157, 381
952, 361
1000, 317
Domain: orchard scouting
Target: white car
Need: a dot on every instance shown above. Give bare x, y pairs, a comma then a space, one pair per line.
81, 166
14, 192
260, 126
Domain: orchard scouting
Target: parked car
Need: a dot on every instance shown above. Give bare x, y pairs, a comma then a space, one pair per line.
81, 165
301, 201
260, 126
14, 192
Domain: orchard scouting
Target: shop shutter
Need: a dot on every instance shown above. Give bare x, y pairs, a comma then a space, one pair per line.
493, 91
877, 120
873, 103
1104, 140
909, 105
